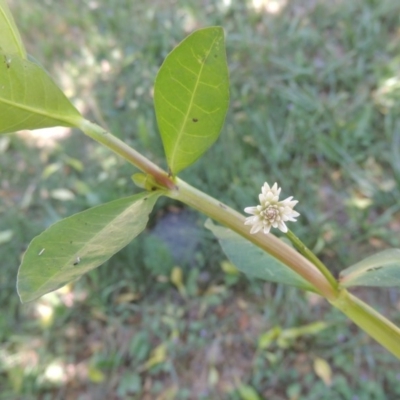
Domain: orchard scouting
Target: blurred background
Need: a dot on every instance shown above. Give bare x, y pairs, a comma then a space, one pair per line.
315, 106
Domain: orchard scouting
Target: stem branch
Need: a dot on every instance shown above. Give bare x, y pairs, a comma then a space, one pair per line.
182, 191
307, 253
305, 263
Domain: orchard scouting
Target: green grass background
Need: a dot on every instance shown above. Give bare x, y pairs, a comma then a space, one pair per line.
315, 106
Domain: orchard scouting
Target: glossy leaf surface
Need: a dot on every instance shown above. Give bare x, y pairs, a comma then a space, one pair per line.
191, 97
10, 39
381, 269
29, 99
253, 261
71, 247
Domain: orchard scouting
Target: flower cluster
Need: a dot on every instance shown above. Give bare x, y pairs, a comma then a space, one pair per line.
271, 212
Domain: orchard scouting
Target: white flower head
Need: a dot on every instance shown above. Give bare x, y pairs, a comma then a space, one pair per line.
271, 212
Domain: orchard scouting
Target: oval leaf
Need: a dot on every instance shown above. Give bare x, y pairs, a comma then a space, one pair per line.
191, 97
10, 39
77, 244
381, 269
248, 392
29, 99
323, 370
253, 261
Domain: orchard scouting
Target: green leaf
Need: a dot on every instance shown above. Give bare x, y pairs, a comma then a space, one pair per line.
310, 329
191, 96
29, 99
10, 39
71, 247
248, 392
381, 269
253, 261
265, 339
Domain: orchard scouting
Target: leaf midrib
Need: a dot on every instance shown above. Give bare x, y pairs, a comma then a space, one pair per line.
73, 120
181, 131
10, 26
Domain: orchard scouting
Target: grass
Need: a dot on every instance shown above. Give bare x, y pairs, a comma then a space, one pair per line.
314, 106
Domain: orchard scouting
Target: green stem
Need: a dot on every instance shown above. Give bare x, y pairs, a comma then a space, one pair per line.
305, 264
375, 324
99, 134
211, 207
307, 253
232, 219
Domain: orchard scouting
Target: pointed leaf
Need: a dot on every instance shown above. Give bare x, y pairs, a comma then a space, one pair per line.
29, 99
381, 269
323, 370
253, 261
10, 39
80, 243
191, 96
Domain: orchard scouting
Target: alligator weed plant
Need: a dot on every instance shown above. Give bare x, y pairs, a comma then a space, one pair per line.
191, 98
